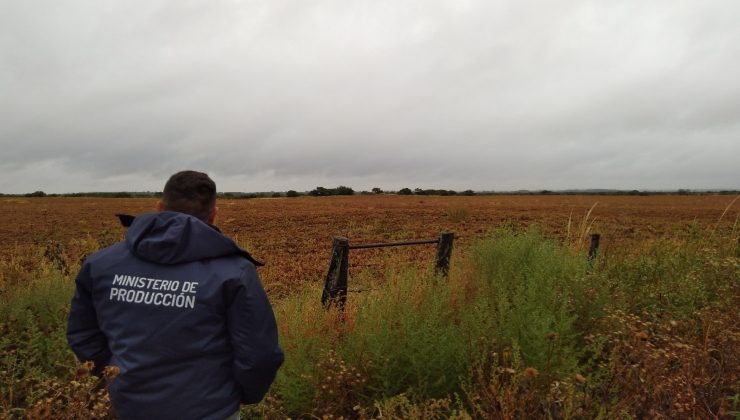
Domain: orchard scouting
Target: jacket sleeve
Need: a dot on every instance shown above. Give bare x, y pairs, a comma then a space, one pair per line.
83, 333
254, 337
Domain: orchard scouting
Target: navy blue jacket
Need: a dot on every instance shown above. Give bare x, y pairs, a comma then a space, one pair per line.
179, 309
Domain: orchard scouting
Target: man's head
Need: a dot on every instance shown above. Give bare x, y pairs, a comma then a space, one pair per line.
190, 192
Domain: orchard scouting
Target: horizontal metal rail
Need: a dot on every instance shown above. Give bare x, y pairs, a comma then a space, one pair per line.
385, 244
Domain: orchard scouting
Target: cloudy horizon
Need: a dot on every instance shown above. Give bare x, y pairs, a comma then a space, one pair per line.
279, 95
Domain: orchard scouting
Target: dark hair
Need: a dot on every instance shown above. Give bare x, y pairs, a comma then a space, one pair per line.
190, 192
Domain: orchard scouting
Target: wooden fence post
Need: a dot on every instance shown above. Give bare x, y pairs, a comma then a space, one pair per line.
444, 251
594, 248
335, 288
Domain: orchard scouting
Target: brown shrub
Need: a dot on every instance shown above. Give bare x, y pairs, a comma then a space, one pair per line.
670, 369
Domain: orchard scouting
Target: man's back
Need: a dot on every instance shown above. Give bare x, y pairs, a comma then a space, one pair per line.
180, 310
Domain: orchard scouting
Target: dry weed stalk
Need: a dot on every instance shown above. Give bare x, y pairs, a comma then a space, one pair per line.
664, 369
716, 225
586, 226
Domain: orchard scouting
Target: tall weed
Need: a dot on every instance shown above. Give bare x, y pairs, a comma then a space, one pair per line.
33, 346
674, 277
539, 293
307, 334
413, 336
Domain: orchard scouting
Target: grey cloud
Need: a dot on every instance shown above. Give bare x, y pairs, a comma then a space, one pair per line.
467, 94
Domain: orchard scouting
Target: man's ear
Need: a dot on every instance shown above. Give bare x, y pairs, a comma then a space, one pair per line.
160, 205
212, 216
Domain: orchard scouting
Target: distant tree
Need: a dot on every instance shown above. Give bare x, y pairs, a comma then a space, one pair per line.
36, 194
405, 191
318, 191
291, 193
468, 192
683, 191
276, 195
342, 190
377, 190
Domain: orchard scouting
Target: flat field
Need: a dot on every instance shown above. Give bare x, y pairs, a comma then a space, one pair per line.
293, 236
523, 327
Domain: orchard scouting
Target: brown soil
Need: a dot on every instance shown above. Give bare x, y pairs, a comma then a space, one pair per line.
293, 235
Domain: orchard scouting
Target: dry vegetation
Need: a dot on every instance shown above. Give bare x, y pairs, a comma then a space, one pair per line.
293, 235
525, 326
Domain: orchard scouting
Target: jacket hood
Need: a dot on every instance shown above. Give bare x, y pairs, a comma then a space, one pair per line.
169, 237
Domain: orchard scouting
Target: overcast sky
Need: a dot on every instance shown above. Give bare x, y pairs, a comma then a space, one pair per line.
267, 95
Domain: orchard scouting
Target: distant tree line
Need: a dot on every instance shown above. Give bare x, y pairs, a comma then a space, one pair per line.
118, 194
419, 191
340, 190
343, 190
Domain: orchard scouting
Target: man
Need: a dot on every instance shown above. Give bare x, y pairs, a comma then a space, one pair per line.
179, 309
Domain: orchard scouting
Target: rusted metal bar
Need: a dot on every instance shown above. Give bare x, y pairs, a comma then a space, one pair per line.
388, 244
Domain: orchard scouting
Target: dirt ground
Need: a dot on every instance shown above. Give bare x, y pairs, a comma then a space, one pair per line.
293, 236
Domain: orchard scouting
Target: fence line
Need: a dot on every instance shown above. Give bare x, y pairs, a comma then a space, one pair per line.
335, 287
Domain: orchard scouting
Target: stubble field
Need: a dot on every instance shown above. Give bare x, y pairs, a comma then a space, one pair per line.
293, 236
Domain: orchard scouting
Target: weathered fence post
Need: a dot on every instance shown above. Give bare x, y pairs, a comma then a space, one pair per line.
444, 251
594, 248
335, 288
